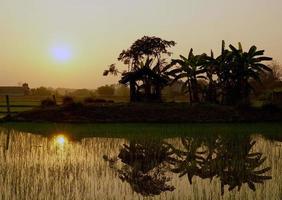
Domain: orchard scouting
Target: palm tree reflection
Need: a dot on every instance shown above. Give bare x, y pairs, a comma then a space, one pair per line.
147, 163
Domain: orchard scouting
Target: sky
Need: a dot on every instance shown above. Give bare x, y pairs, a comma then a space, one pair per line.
69, 43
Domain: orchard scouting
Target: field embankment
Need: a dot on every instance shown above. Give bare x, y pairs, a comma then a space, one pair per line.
141, 112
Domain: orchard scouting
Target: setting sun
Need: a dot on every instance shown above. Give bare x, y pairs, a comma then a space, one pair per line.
61, 53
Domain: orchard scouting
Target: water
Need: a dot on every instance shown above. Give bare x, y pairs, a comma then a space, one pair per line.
36, 167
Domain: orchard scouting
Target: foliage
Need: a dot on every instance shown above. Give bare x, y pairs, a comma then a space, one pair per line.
41, 91
229, 75
191, 70
146, 163
89, 100
48, 102
144, 48
106, 90
143, 161
271, 81
67, 101
81, 92
122, 90
147, 53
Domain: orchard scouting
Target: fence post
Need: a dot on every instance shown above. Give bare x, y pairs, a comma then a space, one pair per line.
8, 105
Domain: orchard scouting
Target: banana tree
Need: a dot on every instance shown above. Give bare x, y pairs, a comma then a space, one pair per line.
217, 69
233, 71
242, 68
191, 69
145, 83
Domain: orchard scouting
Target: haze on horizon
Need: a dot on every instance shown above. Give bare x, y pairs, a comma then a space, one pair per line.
68, 43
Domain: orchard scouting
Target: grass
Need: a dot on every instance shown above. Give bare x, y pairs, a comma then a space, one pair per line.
132, 130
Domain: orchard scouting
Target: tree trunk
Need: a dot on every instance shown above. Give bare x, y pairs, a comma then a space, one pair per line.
132, 91
158, 93
190, 91
194, 87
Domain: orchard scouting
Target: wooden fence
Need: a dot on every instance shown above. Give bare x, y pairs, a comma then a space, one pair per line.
14, 104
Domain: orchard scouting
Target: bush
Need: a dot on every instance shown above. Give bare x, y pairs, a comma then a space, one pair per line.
100, 101
67, 101
269, 106
89, 100
45, 103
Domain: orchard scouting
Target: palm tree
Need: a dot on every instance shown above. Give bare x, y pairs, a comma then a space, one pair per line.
191, 69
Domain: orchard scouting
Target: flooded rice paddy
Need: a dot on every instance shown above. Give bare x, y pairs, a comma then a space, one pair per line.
185, 167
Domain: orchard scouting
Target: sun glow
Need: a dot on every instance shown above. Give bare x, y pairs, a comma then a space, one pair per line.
60, 140
61, 53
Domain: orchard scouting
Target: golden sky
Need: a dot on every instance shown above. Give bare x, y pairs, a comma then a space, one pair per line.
68, 43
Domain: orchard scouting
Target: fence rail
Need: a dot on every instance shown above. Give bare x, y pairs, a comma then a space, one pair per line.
7, 105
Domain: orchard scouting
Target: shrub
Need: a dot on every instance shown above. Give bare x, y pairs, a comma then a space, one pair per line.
67, 101
89, 100
45, 103
269, 106
100, 101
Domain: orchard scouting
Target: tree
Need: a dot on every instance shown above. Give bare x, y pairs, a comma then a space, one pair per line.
146, 52
41, 91
26, 88
106, 90
243, 67
122, 90
229, 75
144, 49
190, 69
271, 81
81, 92
216, 70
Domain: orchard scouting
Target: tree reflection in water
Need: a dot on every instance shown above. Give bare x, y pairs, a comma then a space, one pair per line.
147, 163
145, 166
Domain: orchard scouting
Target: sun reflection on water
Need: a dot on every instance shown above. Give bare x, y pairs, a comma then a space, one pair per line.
60, 140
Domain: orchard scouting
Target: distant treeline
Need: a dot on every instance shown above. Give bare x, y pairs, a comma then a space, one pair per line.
172, 92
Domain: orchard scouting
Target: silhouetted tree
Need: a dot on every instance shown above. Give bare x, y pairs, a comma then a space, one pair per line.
242, 68
145, 52
143, 49
190, 69
229, 75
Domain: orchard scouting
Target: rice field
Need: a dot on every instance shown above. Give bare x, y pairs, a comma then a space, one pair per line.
34, 166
